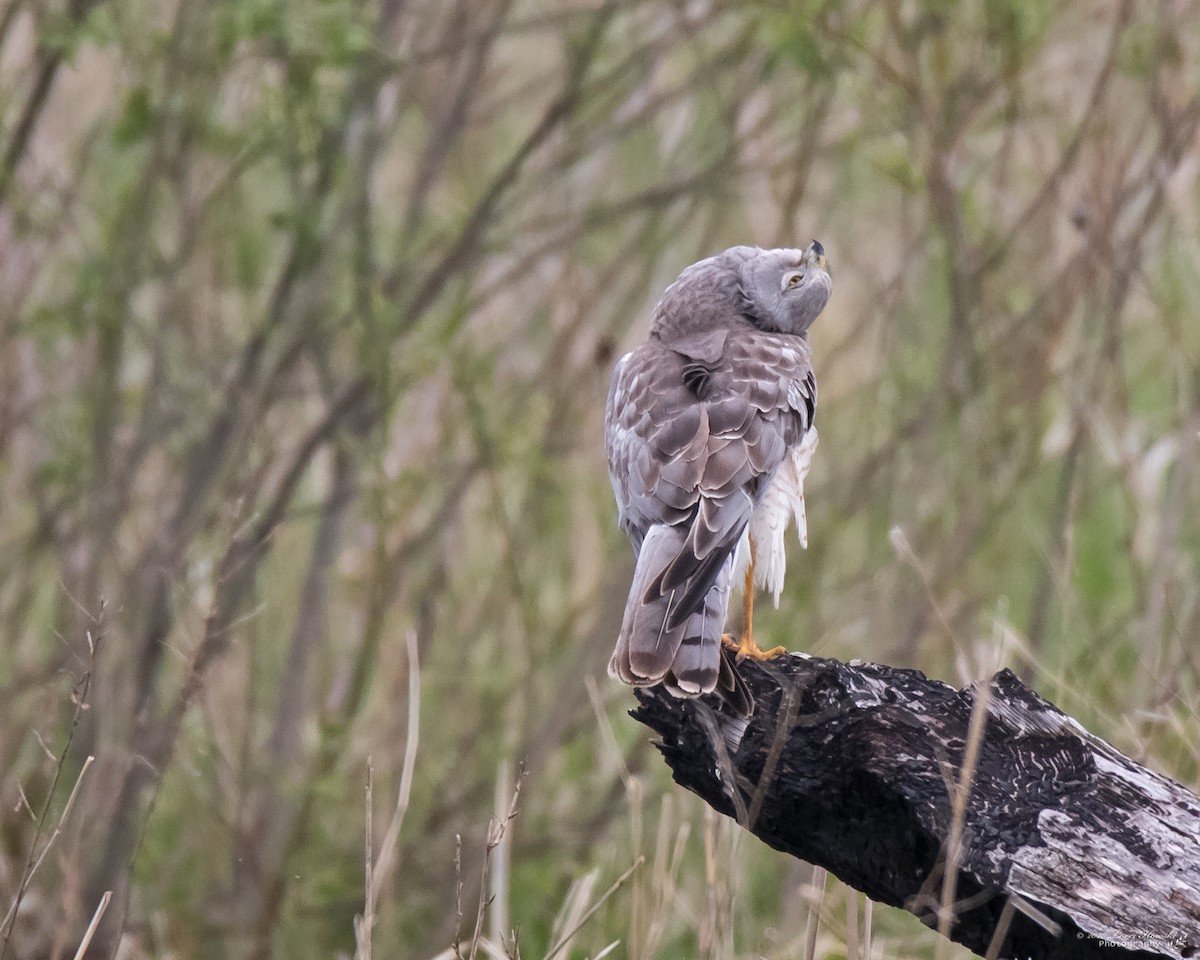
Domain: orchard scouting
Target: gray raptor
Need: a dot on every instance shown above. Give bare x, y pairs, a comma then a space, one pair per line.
708, 430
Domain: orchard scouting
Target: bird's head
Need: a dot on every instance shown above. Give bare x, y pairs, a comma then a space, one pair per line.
785, 289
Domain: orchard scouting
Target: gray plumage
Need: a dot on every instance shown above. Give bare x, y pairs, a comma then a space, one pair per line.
698, 420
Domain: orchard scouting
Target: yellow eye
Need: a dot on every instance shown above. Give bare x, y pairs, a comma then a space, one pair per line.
794, 279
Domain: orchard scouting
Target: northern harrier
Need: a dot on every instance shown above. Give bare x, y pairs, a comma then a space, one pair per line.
708, 430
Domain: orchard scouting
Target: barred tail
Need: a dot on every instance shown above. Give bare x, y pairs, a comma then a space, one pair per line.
658, 644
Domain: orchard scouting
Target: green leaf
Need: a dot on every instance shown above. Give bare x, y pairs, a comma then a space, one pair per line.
136, 120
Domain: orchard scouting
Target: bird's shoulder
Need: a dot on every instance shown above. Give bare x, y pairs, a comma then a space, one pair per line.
773, 371
660, 378
748, 348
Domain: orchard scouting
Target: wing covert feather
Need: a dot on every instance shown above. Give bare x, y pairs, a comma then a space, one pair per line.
675, 458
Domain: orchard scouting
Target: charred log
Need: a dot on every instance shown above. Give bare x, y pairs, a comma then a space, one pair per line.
1058, 846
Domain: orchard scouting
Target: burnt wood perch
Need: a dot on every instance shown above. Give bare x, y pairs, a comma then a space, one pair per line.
1068, 848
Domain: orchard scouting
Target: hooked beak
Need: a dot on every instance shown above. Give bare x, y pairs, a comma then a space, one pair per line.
814, 256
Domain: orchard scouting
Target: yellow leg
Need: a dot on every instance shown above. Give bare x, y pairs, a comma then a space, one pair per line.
746, 647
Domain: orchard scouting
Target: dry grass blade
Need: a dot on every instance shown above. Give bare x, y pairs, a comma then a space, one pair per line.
91, 930
812, 925
388, 849
501, 859
456, 949
34, 858
555, 950
960, 795
655, 893
787, 719
378, 870
853, 943
87, 763
868, 927
365, 922
606, 730
1027, 909
571, 915
1002, 925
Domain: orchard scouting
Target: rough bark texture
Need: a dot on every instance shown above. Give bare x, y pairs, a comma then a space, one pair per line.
1069, 848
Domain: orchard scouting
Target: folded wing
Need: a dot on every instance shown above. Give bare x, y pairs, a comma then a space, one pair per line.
692, 444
